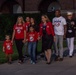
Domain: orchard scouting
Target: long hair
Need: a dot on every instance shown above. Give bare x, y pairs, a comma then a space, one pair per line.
22, 20
47, 19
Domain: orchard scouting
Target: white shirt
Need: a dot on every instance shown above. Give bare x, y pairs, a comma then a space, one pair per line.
59, 23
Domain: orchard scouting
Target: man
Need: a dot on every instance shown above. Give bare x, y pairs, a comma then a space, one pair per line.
59, 24
70, 34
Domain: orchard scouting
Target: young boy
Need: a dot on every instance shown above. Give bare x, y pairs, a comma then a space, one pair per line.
32, 37
7, 48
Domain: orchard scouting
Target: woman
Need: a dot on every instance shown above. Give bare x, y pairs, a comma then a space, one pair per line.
47, 34
19, 34
70, 34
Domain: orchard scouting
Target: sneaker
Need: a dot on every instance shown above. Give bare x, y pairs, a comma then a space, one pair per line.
33, 63
57, 58
61, 59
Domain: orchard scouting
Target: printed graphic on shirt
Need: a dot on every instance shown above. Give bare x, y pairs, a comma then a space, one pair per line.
31, 38
8, 47
18, 31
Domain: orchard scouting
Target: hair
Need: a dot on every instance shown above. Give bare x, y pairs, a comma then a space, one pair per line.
30, 27
33, 19
21, 19
7, 35
48, 20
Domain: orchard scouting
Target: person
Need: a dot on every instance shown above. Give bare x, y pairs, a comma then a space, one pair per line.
32, 37
7, 49
36, 27
47, 34
19, 33
27, 24
59, 24
70, 34
33, 23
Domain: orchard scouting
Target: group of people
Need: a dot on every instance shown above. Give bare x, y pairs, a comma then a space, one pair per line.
28, 34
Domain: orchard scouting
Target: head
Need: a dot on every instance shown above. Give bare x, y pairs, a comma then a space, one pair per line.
45, 18
32, 20
20, 20
27, 19
57, 13
31, 28
69, 15
7, 37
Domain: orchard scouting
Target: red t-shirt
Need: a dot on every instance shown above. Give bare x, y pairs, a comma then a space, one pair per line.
19, 31
27, 24
8, 47
32, 36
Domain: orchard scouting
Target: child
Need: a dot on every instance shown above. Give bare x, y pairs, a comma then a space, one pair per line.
32, 37
7, 49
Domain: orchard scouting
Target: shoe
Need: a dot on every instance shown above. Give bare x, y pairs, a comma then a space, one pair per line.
57, 58
61, 59
70, 56
9, 62
48, 63
20, 62
33, 63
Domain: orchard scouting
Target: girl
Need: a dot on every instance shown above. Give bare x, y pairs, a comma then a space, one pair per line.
70, 34
47, 34
7, 48
19, 34
33, 23
32, 37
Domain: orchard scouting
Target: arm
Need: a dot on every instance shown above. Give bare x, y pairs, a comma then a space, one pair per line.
13, 35
3, 49
24, 35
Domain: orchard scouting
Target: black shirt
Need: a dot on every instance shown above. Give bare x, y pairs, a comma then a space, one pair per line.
36, 27
70, 28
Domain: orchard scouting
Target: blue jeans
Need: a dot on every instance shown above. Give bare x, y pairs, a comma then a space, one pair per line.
32, 50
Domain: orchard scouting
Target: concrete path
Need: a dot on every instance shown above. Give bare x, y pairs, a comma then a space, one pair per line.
66, 67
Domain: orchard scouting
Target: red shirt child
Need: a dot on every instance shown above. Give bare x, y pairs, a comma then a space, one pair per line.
32, 36
7, 46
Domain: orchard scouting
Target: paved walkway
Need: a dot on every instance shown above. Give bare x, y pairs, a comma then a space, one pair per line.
66, 67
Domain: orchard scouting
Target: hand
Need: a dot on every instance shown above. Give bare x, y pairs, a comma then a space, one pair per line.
24, 41
39, 38
54, 38
3, 50
64, 36
12, 42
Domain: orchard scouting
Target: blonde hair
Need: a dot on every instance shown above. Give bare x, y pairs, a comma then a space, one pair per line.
21, 19
47, 19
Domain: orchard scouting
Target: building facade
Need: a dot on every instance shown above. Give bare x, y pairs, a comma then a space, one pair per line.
27, 6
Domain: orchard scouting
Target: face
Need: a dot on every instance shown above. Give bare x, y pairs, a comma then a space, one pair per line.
57, 13
32, 20
31, 29
69, 16
19, 20
27, 19
7, 37
43, 19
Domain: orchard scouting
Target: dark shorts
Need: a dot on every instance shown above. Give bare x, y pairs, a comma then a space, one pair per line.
47, 42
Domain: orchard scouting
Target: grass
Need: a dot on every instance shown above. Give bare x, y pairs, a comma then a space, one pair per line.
15, 54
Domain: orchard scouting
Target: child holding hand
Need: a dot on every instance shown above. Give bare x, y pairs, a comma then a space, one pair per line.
7, 49
32, 37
